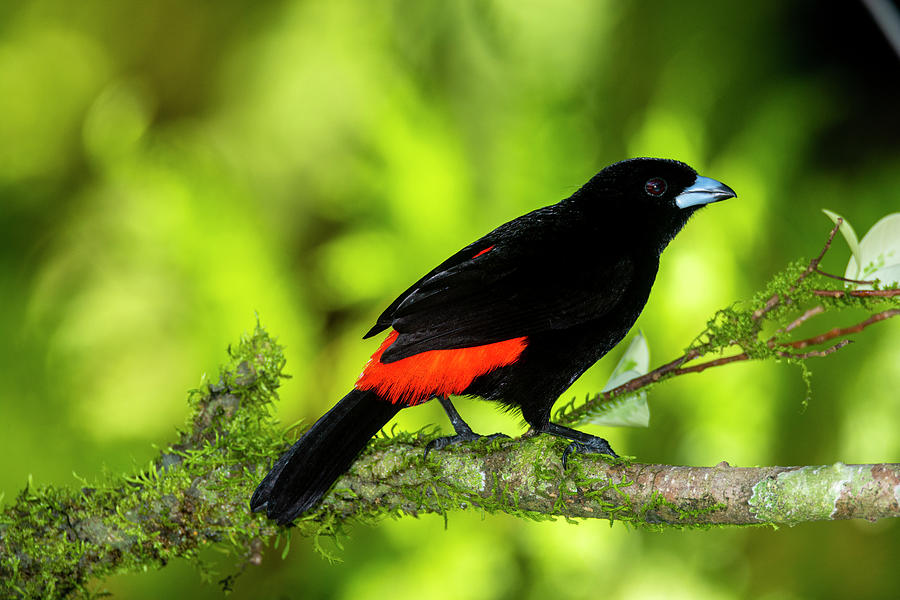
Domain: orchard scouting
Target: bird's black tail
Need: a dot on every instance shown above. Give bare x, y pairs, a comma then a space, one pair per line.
305, 472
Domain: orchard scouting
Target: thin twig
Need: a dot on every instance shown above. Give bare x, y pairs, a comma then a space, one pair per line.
815, 353
744, 356
814, 263
712, 363
858, 293
776, 299
816, 310
654, 375
836, 332
841, 331
845, 279
674, 369
767, 307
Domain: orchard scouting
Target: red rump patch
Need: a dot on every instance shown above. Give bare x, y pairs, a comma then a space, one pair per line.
485, 251
417, 378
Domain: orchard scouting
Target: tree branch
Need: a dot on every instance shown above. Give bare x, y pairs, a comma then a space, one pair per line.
844, 279
842, 331
891, 293
525, 478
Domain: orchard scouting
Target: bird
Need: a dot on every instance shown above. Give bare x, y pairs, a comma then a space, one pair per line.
515, 317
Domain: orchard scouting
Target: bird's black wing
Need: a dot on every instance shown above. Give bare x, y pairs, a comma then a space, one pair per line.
387, 317
533, 279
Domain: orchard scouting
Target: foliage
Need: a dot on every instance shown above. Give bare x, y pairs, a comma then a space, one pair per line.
877, 257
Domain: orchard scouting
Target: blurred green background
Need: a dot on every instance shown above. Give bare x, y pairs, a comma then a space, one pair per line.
168, 168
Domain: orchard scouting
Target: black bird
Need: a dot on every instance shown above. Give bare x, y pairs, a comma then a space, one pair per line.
514, 317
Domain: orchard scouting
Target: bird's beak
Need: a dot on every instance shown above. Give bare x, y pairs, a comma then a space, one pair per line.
704, 191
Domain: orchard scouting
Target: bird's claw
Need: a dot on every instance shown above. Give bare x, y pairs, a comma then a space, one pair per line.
596, 445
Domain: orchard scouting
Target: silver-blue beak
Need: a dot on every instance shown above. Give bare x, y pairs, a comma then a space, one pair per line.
704, 191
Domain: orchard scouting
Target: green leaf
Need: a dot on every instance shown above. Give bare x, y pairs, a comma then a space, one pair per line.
879, 253
631, 410
627, 411
852, 241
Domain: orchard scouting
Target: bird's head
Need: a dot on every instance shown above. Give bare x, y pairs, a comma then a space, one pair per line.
658, 194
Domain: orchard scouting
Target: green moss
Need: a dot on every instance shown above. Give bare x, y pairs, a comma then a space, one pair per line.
660, 513
53, 540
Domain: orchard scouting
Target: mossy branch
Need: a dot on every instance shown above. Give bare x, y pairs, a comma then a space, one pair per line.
54, 542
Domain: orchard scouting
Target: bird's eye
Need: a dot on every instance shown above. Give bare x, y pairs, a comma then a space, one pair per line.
656, 186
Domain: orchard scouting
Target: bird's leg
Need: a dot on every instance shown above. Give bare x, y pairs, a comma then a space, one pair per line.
581, 442
464, 433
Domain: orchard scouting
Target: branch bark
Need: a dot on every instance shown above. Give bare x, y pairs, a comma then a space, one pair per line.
525, 477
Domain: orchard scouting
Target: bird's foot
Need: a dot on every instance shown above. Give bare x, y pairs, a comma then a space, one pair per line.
597, 445
466, 436
581, 442
464, 433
